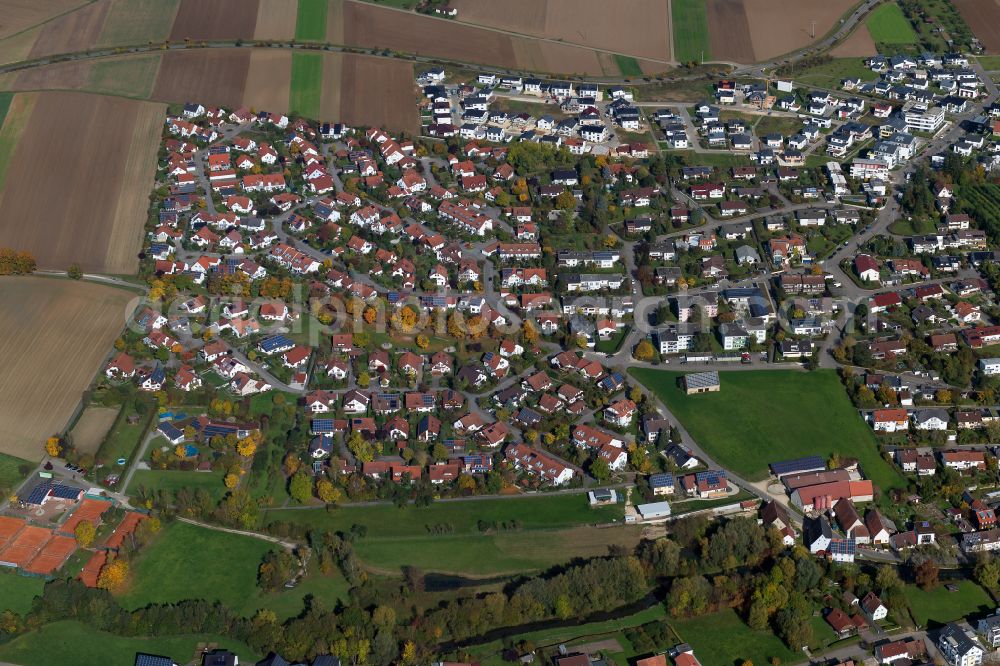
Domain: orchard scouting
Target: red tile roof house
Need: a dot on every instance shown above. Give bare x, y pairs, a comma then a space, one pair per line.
121, 366
890, 420
883, 302
866, 267
962, 460
620, 413
907, 648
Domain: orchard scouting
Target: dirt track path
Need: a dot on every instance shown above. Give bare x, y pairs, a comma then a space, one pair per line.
289, 545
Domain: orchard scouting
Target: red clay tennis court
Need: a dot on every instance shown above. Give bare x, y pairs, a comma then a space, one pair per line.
127, 526
89, 510
91, 570
53, 555
25, 546
9, 527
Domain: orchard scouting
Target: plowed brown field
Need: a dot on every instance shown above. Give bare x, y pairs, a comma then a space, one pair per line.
729, 31
18, 15
778, 27
213, 76
378, 92
983, 16
51, 351
268, 80
60, 76
76, 31
217, 19
639, 28
858, 45
276, 19
97, 218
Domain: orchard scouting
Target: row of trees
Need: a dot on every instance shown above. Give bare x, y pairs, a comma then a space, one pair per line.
14, 262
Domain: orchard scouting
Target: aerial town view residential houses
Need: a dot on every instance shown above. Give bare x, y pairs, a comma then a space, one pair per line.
643, 369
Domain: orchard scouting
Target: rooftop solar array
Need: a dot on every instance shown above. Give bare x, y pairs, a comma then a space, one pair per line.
842, 547
806, 464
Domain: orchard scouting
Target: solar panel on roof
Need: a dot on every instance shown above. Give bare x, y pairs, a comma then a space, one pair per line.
61, 491
842, 547
783, 467
712, 476
38, 493
171, 431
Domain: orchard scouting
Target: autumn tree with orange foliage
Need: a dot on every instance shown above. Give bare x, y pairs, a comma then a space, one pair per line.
113, 575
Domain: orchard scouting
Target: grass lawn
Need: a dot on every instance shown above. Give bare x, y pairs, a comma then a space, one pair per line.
887, 25
541, 512
191, 562
17, 591
721, 159
762, 416
310, 22
940, 606
611, 345
492, 554
830, 74
307, 84
989, 63
10, 474
780, 124
690, 21
70, 642
489, 654
553, 531
174, 480
123, 438
722, 638
628, 65
688, 506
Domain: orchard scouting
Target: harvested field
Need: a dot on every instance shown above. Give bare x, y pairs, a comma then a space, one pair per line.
89, 510
335, 22
367, 79
51, 351
17, 47
92, 569
216, 76
858, 45
20, 15
138, 22
52, 555
983, 17
638, 28
130, 76
216, 20
25, 545
276, 19
729, 31
268, 80
378, 27
779, 27
333, 77
76, 31
97, 220
60, 76
560, 58
93, 425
